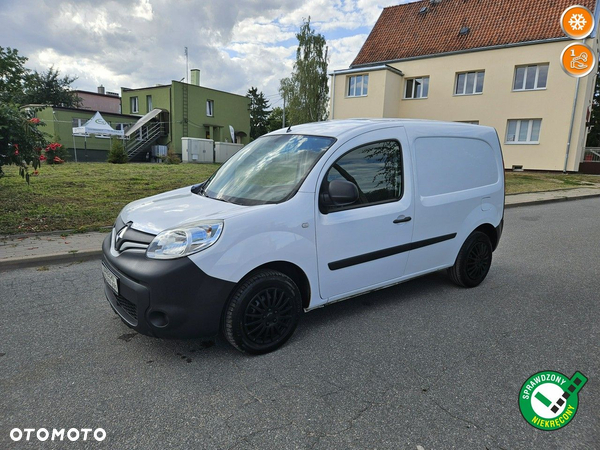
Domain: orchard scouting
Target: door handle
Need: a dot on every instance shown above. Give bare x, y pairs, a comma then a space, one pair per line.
402, 219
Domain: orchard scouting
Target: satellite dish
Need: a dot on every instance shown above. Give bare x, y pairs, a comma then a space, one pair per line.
232, 131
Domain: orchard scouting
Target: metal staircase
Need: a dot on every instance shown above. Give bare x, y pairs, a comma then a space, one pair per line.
144, 138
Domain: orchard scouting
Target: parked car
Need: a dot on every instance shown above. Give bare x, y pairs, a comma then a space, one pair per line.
303, 217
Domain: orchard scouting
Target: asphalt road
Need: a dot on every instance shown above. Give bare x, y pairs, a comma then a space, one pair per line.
424, 365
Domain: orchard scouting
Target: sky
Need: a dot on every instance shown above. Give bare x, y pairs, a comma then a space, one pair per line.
236, 44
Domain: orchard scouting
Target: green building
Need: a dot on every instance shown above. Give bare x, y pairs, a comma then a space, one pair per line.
177, 110
59, 124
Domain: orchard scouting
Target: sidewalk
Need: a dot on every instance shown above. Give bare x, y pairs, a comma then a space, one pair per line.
40, 250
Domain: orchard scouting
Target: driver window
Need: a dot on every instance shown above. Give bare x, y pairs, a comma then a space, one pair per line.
375, 169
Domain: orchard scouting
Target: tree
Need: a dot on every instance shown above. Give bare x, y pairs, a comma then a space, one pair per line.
275, 119
306, 91
259, 112
49, 88
593, 138
12, 75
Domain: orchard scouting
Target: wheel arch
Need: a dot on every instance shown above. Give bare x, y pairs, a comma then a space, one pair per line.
491, 232
291, 270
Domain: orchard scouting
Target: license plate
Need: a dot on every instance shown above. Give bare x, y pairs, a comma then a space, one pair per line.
111, 279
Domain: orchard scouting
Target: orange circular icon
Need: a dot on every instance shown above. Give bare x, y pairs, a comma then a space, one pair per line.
577, 22
578, 60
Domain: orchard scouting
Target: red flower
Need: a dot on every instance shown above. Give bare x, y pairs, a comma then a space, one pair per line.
34, 120
35, 173
16, 152
43, 158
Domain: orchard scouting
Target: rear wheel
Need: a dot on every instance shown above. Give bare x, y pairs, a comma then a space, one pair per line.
473, 261
263, 312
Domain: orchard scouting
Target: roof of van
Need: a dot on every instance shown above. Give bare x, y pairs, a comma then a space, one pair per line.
339, 128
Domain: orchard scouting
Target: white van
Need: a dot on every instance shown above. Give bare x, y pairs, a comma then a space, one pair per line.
306, 216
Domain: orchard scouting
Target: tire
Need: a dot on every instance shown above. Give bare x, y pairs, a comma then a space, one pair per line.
473, 261
262, 313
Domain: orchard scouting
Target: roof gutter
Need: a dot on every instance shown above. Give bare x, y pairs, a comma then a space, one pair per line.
379, 64
367, 68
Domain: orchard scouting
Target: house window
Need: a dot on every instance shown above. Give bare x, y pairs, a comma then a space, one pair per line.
133, 102
78, 122
149, 102
417, 88
529, 78
523, 131
469, 83
358, 85
210, 108
121, 126
470, 122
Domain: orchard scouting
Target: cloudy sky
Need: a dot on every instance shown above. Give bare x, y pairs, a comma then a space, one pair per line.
134, 43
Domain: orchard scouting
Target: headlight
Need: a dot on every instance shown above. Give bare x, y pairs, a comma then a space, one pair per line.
184, 240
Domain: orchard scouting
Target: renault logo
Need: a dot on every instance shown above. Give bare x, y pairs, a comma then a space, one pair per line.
121, 234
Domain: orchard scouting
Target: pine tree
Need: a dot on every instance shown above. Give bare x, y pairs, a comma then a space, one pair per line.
259, 113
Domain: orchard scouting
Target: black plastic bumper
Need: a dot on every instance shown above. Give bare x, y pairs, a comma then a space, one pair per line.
165, 298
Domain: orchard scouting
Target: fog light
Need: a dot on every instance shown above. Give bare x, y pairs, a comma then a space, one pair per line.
158, 319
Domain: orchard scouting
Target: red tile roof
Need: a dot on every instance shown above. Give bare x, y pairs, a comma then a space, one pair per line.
403, 32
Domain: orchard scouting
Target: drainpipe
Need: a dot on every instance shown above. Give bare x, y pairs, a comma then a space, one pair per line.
333, 96
572, 123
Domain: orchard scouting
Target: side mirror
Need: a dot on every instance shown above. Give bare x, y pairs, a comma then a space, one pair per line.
342, 192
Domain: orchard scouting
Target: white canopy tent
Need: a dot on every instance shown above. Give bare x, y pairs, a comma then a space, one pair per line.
96, 125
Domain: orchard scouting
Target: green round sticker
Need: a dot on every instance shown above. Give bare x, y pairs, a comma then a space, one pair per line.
548, 400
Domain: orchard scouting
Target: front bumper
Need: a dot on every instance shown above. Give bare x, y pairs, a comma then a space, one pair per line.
165, 298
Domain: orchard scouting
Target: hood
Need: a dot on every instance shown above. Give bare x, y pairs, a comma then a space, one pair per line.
170, 209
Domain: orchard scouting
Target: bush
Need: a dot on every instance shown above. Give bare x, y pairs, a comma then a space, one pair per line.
117, 154
55, 153
21, 141
172, 157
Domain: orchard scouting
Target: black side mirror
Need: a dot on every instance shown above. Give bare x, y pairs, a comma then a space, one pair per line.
342, 192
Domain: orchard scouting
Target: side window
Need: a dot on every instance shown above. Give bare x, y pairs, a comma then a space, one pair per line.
375, 169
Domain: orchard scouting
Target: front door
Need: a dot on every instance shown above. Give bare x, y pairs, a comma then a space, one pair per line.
365, 245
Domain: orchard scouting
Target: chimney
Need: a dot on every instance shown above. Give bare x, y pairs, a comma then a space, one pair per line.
196, 77
101, 89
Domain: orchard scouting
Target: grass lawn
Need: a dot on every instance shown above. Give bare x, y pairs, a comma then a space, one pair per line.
87, 196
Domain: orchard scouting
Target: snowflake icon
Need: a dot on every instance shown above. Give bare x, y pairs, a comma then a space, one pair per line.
577, 22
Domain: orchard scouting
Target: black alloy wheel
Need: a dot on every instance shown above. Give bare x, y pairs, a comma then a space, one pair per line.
473, 261
263, 312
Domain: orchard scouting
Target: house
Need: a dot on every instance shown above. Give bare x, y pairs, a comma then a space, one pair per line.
487, 62
100, 101
180, 110
60, 121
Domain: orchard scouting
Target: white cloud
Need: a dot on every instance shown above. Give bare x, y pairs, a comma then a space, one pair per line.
235, 43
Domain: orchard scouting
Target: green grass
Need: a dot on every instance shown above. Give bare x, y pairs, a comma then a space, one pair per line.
520, 182
85, 196
88, 196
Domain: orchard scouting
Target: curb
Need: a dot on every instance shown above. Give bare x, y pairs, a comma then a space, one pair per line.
550, 200
56, 258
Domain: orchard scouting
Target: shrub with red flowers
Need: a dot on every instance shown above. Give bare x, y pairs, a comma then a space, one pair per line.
54, 153
21, 140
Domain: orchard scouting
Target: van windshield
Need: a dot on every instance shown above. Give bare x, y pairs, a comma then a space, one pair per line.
268, 170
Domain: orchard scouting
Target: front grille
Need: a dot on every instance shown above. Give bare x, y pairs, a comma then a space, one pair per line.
128, 307
127, 238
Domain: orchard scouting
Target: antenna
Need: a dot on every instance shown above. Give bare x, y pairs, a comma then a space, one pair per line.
186, 64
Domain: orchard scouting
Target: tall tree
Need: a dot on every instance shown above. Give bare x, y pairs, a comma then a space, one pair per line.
49, 88
259, 113
306, 91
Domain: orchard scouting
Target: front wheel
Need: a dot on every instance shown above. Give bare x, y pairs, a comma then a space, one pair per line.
263, 312
473, 261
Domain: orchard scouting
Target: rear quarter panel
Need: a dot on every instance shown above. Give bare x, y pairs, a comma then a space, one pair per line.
459, 185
